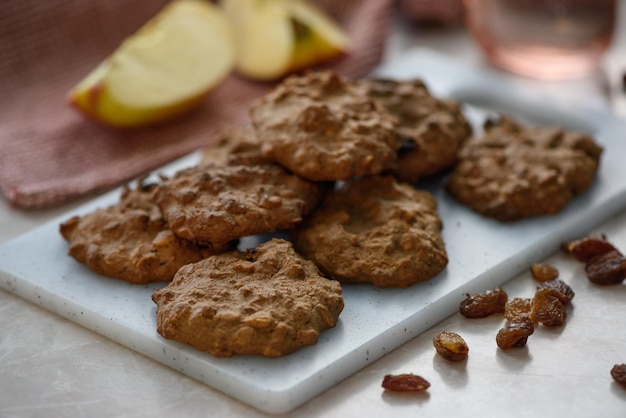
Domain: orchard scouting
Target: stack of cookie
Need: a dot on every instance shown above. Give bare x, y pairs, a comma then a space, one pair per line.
334, 162
367, 138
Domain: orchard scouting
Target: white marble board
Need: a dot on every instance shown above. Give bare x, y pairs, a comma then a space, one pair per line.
483, 254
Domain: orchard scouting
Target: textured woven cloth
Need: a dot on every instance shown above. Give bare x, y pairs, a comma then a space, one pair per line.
50, 154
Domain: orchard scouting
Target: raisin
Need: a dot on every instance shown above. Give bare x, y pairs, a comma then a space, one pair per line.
450, 346
518, 308
548, 309
560, 289
618, 372
405, 383
584, 249
607, 269
543, 272
483, 304
515, 333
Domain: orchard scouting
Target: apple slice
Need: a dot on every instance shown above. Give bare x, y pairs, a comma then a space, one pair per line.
264, 38
276, 37
163, 70
318, 38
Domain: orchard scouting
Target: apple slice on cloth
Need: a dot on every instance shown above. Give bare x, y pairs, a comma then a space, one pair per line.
51, 154
277, 37
163, 70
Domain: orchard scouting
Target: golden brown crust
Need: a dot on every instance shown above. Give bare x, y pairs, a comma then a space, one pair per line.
322, 128
131, 241
375, 230
433, 130
217, 204
268, 301
511, 172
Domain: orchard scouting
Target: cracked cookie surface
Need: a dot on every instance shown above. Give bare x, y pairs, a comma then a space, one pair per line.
432, 130
512, 172
375, 230
131, 241
233, 146
268, 301
217, 204
322, 128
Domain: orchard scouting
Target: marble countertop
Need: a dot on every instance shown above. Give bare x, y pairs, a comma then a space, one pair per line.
52, 367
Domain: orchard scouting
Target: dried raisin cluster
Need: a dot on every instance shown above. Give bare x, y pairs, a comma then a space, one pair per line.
546, 307
604, 264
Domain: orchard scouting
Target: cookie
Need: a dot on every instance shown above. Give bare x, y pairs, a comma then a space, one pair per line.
432, 130
513, 172
217, 204
375, 230
233, 146
268, 301
131, 241
322, 128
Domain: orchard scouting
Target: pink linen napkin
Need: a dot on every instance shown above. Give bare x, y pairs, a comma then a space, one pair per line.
50, 154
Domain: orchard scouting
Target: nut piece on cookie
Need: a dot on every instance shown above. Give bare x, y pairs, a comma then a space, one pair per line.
323, 128
233, 145
512, 172
375, 230
131, 241
217, 204
432, 130
268, 301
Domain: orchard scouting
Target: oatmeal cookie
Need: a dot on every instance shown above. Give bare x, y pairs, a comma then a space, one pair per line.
268, 301
376, 230
233, 145
322, 128
131, 241
217, 204
512, 172
432, 130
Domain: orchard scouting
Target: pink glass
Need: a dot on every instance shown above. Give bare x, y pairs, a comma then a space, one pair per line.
545, 39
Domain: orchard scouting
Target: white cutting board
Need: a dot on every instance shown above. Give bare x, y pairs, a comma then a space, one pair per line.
483, 254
